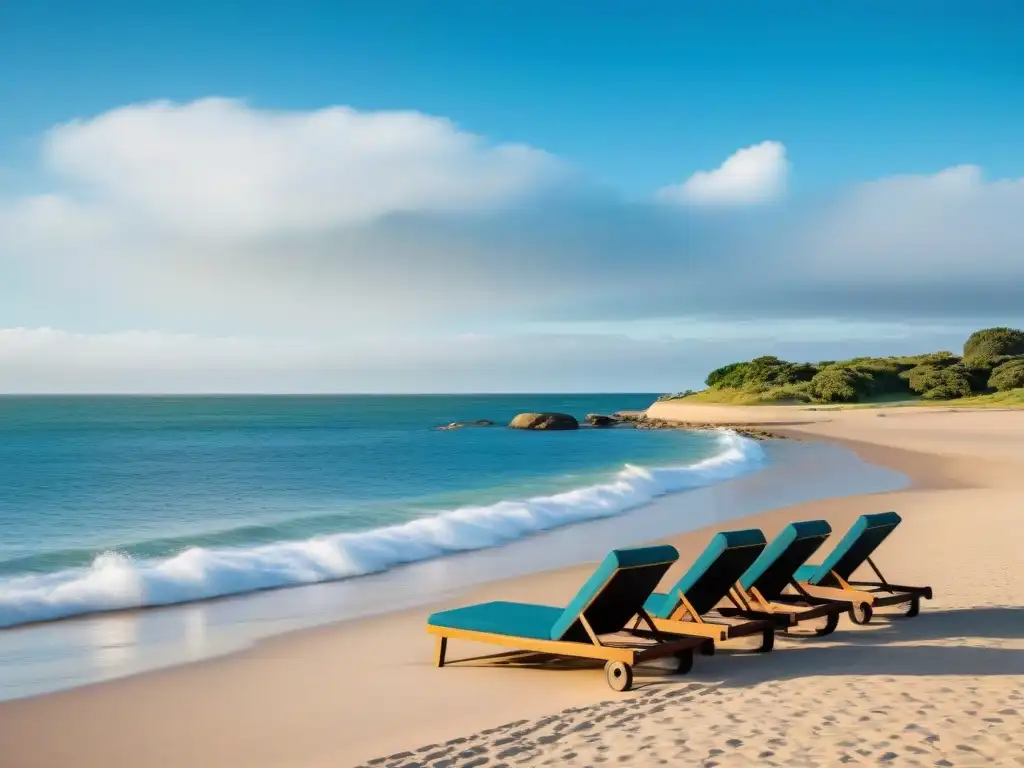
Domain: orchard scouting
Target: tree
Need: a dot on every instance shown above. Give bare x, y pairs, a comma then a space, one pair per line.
1009, 375
993, 342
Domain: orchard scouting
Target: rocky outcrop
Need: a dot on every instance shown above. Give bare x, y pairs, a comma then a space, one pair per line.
544, 421
600, 420
640, 420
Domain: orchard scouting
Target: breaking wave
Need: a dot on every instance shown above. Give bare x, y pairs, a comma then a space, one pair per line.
116, 581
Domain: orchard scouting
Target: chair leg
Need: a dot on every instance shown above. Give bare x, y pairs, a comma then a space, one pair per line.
442, 646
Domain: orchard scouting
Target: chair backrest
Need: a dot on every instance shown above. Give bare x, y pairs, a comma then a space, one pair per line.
615, 592
856, 547
713, 574
774, 569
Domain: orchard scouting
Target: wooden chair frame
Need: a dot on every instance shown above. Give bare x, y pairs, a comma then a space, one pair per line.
685, 620
628, 653
874, 593
609, 651
790, 609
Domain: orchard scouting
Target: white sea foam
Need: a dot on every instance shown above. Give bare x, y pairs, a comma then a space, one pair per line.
115, 581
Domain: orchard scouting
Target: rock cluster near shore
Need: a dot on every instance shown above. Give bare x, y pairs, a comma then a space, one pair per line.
634, 419
640, 420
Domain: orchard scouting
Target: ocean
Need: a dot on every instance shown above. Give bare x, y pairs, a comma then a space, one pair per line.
121, 502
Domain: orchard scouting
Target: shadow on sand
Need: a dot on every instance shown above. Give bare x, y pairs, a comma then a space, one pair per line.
890, 646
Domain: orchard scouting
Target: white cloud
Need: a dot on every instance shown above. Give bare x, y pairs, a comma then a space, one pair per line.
923, 226
219, 168
754, 174
213, 209
220, 219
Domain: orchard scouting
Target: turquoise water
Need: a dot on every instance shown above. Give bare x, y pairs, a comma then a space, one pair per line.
118, 502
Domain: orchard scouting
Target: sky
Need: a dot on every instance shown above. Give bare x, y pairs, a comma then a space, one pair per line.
463, 196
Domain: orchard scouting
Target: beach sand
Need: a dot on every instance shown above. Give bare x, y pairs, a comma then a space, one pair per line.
945, 688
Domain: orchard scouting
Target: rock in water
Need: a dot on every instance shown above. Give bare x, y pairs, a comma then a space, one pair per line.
600, 420
461, 424
544, 421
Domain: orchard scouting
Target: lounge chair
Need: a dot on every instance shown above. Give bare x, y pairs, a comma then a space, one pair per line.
831, 579
760, 591
613, 595
687, 607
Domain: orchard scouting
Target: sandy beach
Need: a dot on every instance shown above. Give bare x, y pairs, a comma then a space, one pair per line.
945, 688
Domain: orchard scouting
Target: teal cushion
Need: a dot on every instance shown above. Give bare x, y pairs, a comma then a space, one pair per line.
711, 576
772, 571
660, 604
863, 538
501, 618
615, 592
805, 572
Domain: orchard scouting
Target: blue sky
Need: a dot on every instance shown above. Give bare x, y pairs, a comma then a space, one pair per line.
618, 104
634, 94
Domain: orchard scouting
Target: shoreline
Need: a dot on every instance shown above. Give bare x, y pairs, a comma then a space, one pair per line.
417, 585
426, 528
281, 702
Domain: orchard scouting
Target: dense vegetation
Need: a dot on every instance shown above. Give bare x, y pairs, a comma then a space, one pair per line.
992, 365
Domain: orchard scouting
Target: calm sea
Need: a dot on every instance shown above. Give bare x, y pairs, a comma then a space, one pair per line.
114, 502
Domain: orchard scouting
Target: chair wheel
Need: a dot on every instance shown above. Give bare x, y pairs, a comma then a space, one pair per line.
684, 660
767, 641
619, 675
914, 609
830, 626
861, 613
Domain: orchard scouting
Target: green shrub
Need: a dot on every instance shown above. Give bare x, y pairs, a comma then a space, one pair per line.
993, 342
1009, 375
993, 359
839, 384
932, 358
979, 374
920, 378
799, 392
939, 382
882, 377
879, 376
888, 383
759, 374
732, 371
